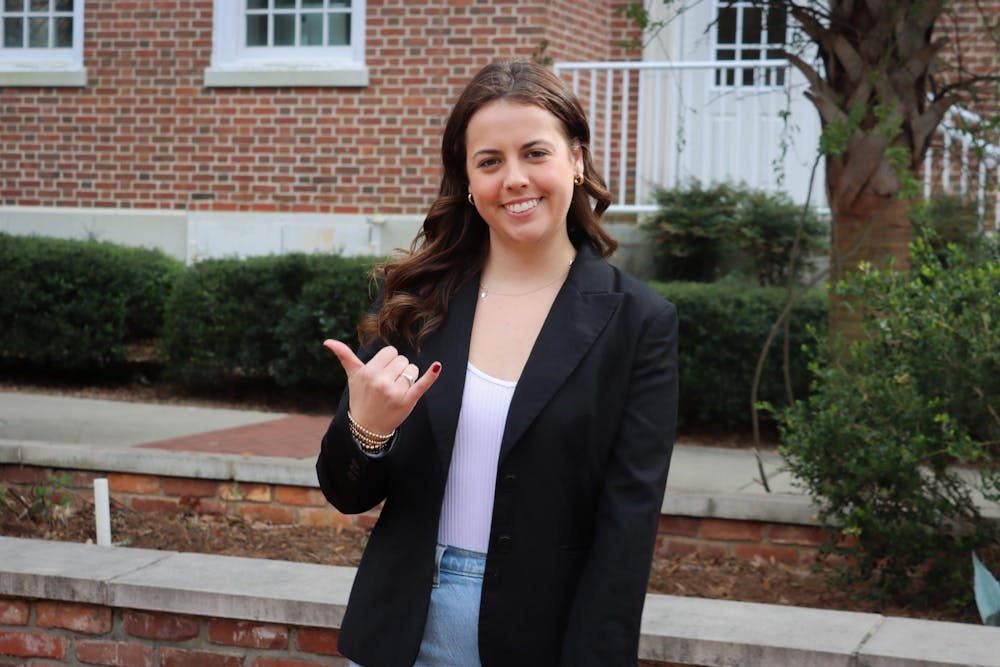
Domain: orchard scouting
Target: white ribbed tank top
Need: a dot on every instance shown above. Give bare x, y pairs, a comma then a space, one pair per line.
467, 510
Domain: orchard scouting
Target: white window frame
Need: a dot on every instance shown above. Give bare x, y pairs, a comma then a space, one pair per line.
61, 66
738, 46
234, 64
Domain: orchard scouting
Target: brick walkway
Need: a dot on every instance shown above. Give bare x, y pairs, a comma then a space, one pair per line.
293, 436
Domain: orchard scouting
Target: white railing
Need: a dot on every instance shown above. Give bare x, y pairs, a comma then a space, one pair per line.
958, 148
659, 124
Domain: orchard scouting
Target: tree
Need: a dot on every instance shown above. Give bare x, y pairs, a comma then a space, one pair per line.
880, 97
883, 89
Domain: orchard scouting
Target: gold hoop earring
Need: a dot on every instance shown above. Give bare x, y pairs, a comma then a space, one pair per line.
471, 203
578, 179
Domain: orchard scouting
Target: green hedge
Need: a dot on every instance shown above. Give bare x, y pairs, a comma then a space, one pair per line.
722, 329
264, 318
75, 305
72, 305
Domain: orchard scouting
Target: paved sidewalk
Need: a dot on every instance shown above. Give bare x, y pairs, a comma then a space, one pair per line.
253, 446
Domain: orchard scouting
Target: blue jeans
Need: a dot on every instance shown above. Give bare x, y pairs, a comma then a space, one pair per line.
451, 635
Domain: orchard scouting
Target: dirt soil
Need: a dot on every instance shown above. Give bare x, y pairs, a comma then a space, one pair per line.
697, 575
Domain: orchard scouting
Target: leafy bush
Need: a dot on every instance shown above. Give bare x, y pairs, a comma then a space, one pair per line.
329, 306
877, 443
704, 234
263, 318
75, 304
950, 219
722, 329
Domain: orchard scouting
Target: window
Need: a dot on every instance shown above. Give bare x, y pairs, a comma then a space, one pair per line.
744, 33
41, 43
288, 43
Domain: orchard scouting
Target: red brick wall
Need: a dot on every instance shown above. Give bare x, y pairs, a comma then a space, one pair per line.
279, 504
146, 133
66, 633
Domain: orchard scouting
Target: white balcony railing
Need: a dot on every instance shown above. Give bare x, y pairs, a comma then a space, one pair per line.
660, 124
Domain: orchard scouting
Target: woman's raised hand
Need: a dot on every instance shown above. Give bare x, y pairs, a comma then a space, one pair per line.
383, 391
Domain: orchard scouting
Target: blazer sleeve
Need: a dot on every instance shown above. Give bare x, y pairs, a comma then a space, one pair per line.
604, 620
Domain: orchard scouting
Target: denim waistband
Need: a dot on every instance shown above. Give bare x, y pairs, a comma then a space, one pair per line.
460, 561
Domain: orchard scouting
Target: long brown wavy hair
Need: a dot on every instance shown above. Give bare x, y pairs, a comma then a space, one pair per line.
452, 245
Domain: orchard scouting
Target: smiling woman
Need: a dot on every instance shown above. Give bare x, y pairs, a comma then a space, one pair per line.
513, 406
521, 168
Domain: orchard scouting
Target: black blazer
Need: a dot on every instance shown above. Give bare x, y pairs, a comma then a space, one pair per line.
582, 469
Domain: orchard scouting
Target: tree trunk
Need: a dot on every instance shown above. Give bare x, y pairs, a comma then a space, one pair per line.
876, 230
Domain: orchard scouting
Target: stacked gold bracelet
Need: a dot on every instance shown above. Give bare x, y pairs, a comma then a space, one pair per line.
369, 440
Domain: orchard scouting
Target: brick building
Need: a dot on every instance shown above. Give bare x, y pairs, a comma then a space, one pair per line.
162, 123
218, 127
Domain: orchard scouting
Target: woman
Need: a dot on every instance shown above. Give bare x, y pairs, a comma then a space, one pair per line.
513, 404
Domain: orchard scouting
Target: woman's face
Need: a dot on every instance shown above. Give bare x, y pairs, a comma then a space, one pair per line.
521, 168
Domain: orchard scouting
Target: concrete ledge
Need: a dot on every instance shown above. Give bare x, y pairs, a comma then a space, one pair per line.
676, 629
194, 465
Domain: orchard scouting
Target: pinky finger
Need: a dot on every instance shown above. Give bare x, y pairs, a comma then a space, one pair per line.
425, 381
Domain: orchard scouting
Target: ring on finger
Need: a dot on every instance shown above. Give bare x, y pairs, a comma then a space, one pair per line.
409, 378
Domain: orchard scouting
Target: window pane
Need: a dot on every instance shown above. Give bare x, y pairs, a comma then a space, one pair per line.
341, 4
776, 25
284, 4
312, 4
39, 5
284, 30
13, 5
38, 32
727, 25
257, 30
64, 32
256, 4
312, 30
64, 5
13, 33
751, 25
340, 30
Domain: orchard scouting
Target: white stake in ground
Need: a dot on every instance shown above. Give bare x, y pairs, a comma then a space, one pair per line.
102, 512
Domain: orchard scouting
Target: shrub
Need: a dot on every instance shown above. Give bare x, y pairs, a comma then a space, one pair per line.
722, 329
329, 306
74, 305
704, 234
877, 443
263, 318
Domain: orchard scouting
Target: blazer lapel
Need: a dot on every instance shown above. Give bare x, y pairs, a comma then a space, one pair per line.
579, 314
450, 346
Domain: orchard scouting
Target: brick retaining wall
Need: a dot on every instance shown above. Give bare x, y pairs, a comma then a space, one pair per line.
70, 632
64, 603
66, 633
281, 504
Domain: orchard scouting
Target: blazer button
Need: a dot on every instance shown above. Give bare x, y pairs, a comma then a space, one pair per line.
508, 483
504, 544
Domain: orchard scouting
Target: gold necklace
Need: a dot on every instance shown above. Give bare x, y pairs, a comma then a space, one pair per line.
483, 292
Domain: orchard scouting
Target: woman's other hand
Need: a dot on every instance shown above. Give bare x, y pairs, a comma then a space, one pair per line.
383, 391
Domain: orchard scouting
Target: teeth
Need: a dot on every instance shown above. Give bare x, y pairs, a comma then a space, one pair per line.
520, 207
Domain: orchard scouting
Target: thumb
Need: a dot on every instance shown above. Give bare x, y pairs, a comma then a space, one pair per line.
346, 355
426, 380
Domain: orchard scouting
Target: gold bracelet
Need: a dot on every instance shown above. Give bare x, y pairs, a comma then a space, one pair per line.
369, 441
370, 434
366, 444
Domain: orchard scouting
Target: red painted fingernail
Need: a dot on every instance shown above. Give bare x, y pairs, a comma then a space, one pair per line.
436, 367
